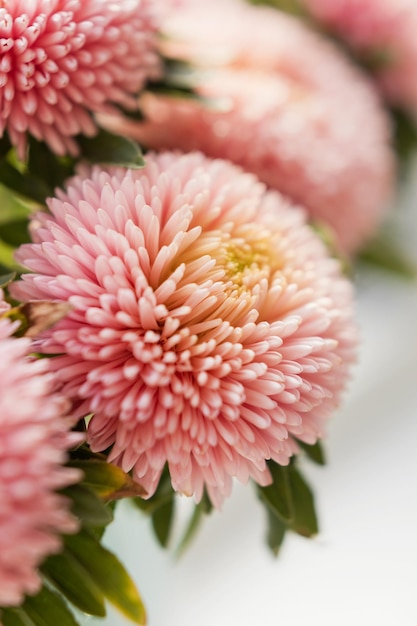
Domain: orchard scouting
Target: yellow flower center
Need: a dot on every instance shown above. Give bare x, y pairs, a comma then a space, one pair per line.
247, 258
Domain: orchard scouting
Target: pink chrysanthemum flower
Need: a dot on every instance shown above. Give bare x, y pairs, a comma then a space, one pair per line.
34, 438
383, 32
282, 103
208, 326
61, 60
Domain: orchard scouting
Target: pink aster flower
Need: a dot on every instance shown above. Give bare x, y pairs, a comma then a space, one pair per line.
34, 439
61, 60
208, 327
382, 31
282, 103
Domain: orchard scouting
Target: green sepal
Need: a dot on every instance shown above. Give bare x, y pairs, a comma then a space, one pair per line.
87, 506
15, 232
107, 480
290, 500
48, 608
277, 496
108, 148
162, 520
275, 532
314, 451
71, 579
107, 573
304, 521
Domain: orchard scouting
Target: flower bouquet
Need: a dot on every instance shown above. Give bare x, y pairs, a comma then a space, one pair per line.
186, 188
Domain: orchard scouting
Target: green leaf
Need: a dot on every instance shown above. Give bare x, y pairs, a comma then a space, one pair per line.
276, 531
15, 233
162, 522
384, 254
15, 617
47, 166
305, 519
106, 147
200, 510
48, 608
314, 452
107, 480
24, 184
405, 135
108, 574
88, 507
74, 582
162, 495
289, 6
278, 495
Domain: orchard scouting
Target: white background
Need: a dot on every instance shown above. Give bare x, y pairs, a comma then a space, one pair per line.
362, 568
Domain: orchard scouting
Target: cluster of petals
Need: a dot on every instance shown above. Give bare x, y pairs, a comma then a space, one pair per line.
34, 439
208, 328
282, 103
383, 33
62, 60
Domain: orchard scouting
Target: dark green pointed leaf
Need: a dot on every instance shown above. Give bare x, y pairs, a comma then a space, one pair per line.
24, 184
15, 617
15, 233
305, 519
277, 495
108, 574
47, 166
191, 530
200, 510
48, 608
107, 480
88, 507
162, 522
6, 279
108, 148
314, 452
74, 582
276, 531
5, 145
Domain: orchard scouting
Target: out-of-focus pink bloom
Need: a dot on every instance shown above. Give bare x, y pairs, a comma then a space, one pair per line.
62, 60
34, 438
284, 104
208, 325
383, 32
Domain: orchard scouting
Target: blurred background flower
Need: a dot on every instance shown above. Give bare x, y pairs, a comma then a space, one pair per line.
34, 439
383, 34
281, 101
